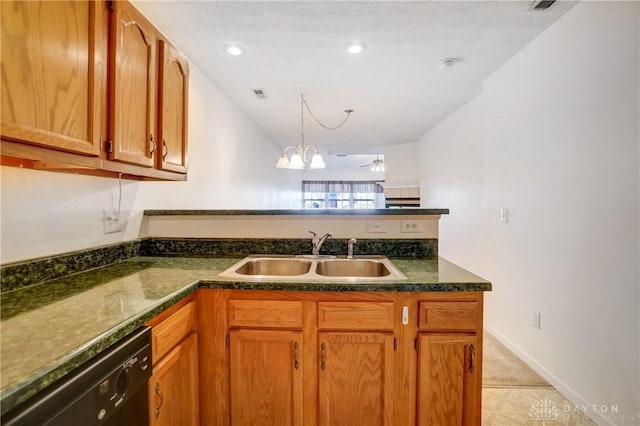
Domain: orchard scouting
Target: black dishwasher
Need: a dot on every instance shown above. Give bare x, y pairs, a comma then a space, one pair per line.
108, 390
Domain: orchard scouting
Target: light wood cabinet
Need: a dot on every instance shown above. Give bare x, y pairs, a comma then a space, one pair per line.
173, 386
91, 87
355, 384
52, 76
173, 70
447, 379
132, 109
265, 377
378, 358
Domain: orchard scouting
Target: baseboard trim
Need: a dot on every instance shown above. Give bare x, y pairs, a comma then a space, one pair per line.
557, 383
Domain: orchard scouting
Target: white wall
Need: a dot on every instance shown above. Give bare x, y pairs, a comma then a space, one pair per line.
554, 138
402, 164
231, 165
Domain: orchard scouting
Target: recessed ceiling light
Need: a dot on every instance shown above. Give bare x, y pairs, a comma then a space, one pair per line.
234, 49
356, 47
447, 63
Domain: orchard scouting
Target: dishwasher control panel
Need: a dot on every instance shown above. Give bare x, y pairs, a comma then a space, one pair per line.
115, 388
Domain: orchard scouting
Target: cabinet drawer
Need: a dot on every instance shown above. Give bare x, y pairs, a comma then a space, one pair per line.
265, 313
448, 316
171, 331
355, 315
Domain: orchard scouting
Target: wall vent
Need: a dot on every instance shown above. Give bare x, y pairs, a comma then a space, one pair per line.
260, 93
542, 4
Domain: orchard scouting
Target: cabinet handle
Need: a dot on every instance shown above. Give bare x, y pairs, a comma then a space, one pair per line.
165, 150
323, 356
161, 399
296, 364
472, 358
152, 146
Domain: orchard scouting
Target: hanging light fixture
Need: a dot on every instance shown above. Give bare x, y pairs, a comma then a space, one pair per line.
377, 165
299, 157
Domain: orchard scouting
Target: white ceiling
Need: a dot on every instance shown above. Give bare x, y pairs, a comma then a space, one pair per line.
396, 88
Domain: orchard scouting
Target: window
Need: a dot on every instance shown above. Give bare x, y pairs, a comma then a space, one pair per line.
327, 194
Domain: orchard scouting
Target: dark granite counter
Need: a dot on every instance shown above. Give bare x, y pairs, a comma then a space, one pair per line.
301, 212
48, 329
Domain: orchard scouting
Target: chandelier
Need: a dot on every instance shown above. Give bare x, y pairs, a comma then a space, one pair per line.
300, 153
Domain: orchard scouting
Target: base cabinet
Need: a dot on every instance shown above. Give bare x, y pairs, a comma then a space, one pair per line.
447, 379
173, 387
339, 358
355, 380
265, 377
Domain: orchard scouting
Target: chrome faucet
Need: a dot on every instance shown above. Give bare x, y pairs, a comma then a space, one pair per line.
318, 242
350, 244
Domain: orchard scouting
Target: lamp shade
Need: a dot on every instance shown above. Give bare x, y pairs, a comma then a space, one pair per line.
296, 162
283, 162
317, 162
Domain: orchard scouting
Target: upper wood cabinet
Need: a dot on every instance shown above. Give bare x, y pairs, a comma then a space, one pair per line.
91, 87
132, 109
172, 108
52, 74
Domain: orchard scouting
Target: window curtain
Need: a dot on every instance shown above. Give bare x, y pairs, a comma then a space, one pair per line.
350, 186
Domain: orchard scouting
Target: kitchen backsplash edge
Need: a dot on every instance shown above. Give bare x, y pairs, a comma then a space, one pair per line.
24, 273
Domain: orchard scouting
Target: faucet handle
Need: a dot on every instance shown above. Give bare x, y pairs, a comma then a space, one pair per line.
315, 236
350, 244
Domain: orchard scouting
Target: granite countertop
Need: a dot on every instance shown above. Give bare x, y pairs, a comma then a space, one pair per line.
48, 329
301, 212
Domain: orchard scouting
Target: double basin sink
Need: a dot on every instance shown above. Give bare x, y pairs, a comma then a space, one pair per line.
313, 269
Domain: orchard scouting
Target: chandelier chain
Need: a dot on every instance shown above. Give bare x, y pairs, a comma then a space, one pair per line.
348, 111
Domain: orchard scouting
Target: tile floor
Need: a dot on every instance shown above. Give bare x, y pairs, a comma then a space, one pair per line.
525, 401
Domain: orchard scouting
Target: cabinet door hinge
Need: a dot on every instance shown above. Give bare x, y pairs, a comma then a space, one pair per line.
108, 146
110, 5
416, 344
395, 344
227, 340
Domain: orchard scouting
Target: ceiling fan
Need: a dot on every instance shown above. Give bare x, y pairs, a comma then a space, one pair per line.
376, 165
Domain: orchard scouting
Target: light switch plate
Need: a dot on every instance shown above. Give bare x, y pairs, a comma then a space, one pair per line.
376, 227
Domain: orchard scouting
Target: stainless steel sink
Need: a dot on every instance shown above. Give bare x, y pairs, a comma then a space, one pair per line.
313, 269
352, 268
277, 266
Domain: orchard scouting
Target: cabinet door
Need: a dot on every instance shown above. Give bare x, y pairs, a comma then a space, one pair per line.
132, 103
52, 75
355, 378
172, 99
266, 377
447, 376
173, 387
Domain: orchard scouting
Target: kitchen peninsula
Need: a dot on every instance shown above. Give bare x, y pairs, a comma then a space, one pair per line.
51, 324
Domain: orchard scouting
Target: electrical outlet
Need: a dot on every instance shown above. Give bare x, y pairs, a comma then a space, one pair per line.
112, 221
411, 226
535, 319
376, 227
